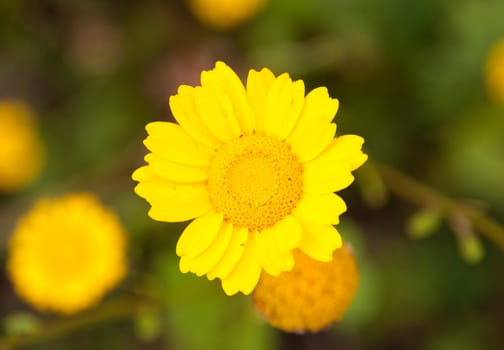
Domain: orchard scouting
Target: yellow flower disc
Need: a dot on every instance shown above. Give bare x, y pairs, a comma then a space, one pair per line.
255, 181
225, 14
21, 151
256, 167
66, 253
310, 297
494, 71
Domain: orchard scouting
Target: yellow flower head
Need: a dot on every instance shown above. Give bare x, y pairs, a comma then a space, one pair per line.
66, 253
21, 152
225, 14
256, 167
494, 71
311, 296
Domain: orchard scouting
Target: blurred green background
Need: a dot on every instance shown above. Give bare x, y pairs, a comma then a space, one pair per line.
409, 77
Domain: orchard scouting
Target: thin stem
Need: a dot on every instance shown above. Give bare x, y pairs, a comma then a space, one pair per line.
115, 309
415, 192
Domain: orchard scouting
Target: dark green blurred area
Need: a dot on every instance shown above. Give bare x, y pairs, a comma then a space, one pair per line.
409, 77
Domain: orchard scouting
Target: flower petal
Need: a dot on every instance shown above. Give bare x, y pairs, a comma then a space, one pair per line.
199, 234
283, 106
331, 170
171, 201
258, 86
319, 241
313, 142
184, 110
171, 142
229, 83
344, 149
320, 178
175, 171
323, 209
318, 108
285, 259
266, 251
205, 261
288, 233
232, 254
318, 111
246, 273
216, 111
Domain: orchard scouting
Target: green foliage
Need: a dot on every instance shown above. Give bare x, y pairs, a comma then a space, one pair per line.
21, 323
423, 223
200, 316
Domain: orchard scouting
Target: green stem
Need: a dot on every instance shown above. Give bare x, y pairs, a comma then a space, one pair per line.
115, 309
415, 192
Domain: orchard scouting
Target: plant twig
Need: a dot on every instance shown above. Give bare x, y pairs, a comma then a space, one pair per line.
115, 309
420, 194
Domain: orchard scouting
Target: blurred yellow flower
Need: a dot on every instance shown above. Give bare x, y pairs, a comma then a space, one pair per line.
225, 14
494, 71
21, 150
66, 253
256, 167
310, 297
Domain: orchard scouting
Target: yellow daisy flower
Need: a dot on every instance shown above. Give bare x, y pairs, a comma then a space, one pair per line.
256, 168
494, 71
225, 14
21, 151
66, 253
310, 297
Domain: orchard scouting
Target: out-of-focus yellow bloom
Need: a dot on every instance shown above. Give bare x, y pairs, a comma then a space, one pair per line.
225, 14
21, 151
311, 296
494, 71
66, 253
256, 167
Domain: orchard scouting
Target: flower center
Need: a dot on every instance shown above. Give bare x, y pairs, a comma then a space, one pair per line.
255, 181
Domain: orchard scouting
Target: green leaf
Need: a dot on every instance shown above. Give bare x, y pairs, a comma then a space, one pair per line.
423, 223
470, 248
148, 323
21, 323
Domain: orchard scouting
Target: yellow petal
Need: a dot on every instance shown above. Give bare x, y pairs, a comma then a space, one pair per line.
199, 234
323, 209
169, 141
232, 255
288, 233
184, 110
171, 201
318, 111
331, 170
344, 149
313, 131
216, 111
229, 83
287, 259
284, 258
205, 261
175, 171
313, 142
320, 178
283, 106
145, 174
319, 241
265, 241
258, 86
246, 273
